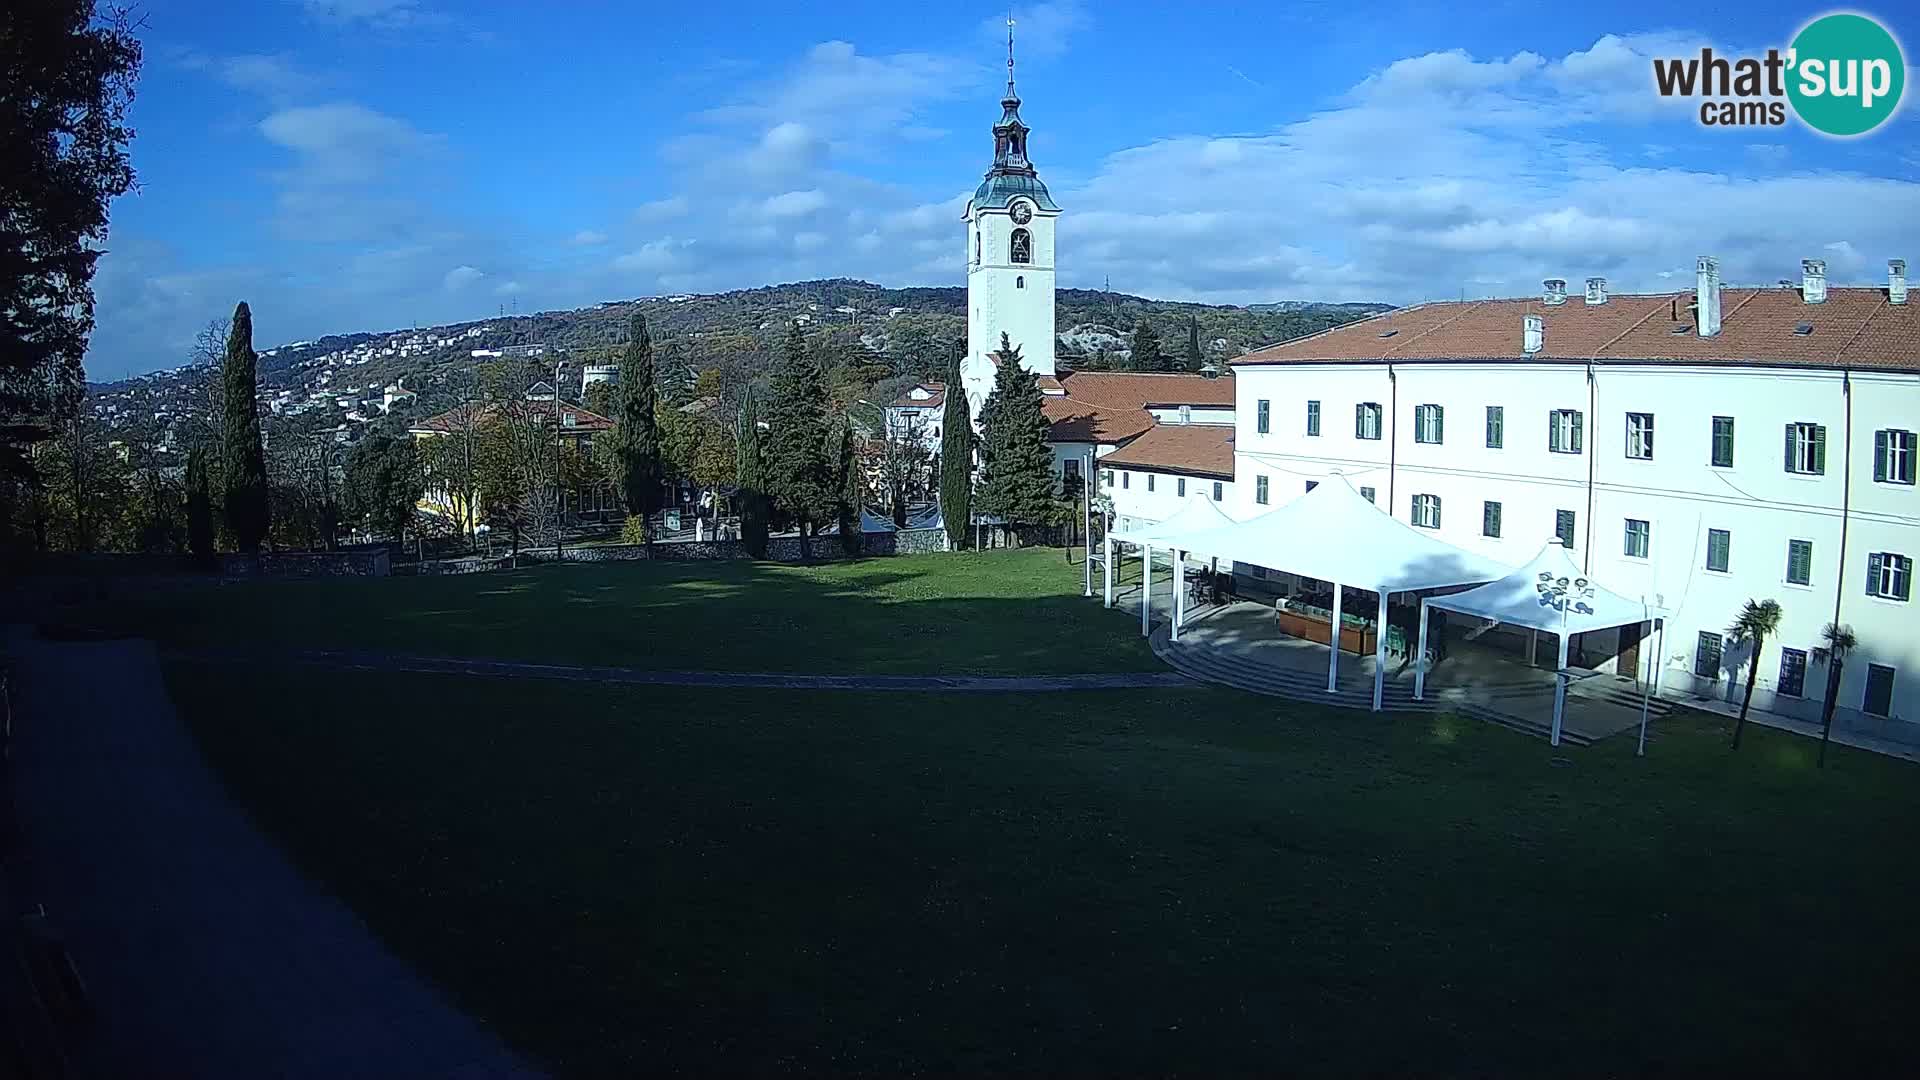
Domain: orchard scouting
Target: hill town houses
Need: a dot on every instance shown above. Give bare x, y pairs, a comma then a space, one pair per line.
1692, 450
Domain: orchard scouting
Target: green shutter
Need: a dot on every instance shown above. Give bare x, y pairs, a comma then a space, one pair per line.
1359, 421
1579, 432
1873, 574
1820, 449
1880, 456
1789, 458
1436, 511
1439, 424
1906, 581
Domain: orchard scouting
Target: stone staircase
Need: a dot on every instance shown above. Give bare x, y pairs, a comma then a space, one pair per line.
1242, 673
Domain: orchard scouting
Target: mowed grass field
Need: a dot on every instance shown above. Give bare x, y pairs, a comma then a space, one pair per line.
996, 613
627, 881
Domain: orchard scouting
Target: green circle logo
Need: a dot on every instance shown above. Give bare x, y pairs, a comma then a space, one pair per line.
1846, 74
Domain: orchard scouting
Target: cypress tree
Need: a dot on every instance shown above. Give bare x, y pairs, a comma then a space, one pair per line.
848, 486
1016, 481
1146, 349
800, 474
1195, 358
199, 506
636, 432
245, 459
750, 476
956, 459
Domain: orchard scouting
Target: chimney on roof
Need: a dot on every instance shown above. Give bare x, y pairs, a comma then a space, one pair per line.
1813, 280
1596, 291
1706, 296
1533, 333
1556, 291
1896, 281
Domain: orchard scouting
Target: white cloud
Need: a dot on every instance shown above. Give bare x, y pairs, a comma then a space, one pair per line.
343, 142
460, 277
508, 288
793, 204
588, 238
662, 209
379, 14
654, 257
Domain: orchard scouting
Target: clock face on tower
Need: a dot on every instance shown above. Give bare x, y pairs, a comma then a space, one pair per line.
1022, 213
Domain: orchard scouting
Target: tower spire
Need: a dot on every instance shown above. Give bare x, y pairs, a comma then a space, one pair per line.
1010, 92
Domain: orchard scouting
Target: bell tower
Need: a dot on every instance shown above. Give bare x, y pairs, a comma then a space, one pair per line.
1009, 230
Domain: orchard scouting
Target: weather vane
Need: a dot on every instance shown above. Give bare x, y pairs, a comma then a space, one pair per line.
1009, 52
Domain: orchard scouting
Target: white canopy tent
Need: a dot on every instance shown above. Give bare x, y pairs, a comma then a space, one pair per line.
1336, 535
1549, 593
1199, 513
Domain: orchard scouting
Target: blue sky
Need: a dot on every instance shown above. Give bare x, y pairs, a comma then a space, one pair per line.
368, 164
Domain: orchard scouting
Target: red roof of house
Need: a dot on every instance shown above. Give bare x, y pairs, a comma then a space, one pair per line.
1191, 449
1111, 406
585, 420
937, 397
1854, 327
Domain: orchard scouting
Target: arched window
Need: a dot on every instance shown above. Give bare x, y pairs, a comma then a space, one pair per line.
976, 247
1022, 246
1020, 282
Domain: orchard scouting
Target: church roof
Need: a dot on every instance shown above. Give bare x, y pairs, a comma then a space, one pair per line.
999, 190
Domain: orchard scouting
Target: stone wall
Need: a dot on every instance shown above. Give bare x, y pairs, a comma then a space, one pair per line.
784, 549
918, 541
374, 562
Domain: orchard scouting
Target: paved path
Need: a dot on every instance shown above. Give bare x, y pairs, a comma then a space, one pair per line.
205, 952
379, 661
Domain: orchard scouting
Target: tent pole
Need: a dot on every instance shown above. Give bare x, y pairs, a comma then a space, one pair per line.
1146, 585
1560, 691
1333, 640
1380, 653
1106, 566
1533, 646
1420, 657
1641, 750
1660, 650
1179, 591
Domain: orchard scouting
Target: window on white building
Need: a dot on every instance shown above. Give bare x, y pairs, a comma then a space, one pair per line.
1563, 523
1021, 246
1429, 424
1878, 700
1799, 562
1793, 673
1126, 480
1719, 550
1263, 416
1020, 281
1565, 434
1490, 519
1889, 576
1367, 493
1640, 436
1106, 478
1149, 481
1806, 449
1496, 427
1313, 418
1366, 420
1426, 511
1723, 442
1260, 490
1218, 489
1706, 655
1893, 452
1639, 538
1311, 484
1180, 486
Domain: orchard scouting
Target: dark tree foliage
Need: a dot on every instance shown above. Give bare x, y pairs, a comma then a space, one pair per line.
636, 431
199, 506
66, 79
1016, 479
847, 489
956, 459
800, 472
673, 375
1146, 349
750, 476
384, 483
245, 473
1195, 358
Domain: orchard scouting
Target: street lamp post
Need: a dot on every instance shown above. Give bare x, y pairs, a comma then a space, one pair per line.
559, 489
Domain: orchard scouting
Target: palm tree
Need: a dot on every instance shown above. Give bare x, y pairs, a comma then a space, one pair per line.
1757, 622
1840, 642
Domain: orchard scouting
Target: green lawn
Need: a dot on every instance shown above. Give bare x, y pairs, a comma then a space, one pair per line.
628, 880
1002, 612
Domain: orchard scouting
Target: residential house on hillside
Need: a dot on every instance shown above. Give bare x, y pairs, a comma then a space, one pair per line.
577, 428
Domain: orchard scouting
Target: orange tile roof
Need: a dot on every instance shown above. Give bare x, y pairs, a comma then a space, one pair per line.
1193, 449
1854, 328
585, 420
1111, 406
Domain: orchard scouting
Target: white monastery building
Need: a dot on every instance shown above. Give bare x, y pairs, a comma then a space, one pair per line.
1692, 450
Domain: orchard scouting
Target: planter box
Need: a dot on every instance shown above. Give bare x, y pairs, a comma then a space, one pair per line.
1296, 624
